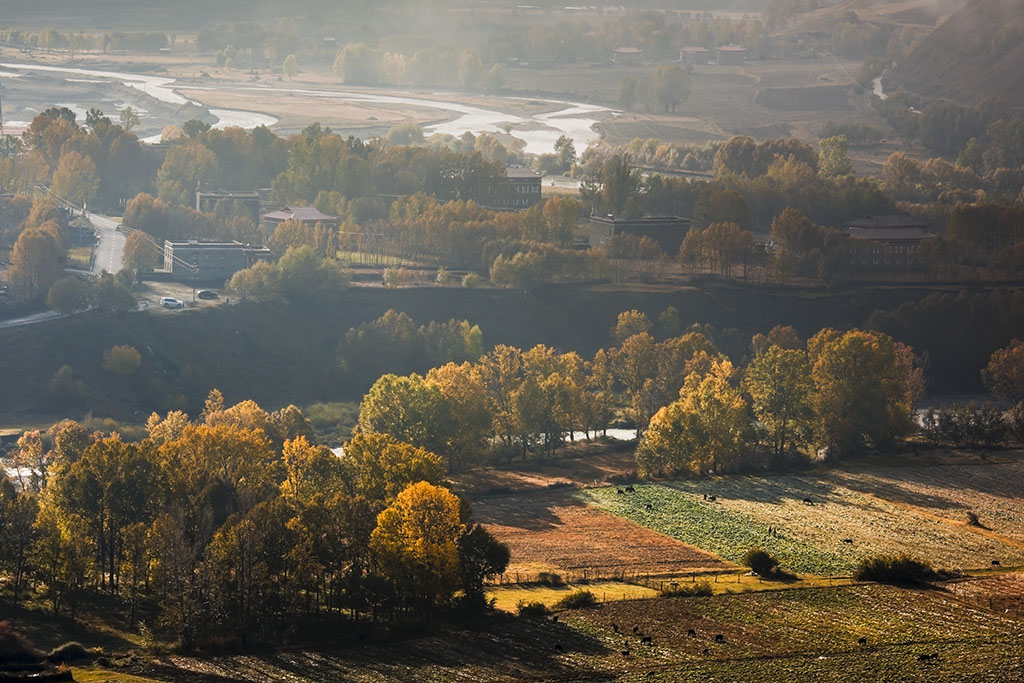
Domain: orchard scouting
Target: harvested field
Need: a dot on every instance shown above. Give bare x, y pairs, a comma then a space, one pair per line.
1003, 593
554, 530
797, 635
810, 537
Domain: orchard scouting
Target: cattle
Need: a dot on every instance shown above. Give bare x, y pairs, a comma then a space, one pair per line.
705, 496
630, 489
558, 647
649, 506
618, 491
705, 651
692, 633
555, 618
636, 629
808, 501
928, 658
719, 638
847, 540
615, 627
712, 498
995, 563
625, 653
862, 641
647, 640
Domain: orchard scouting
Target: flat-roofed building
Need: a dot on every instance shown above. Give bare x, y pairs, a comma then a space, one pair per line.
667, 231
732, 55
889, 241
198, 261
694, 54
308, 215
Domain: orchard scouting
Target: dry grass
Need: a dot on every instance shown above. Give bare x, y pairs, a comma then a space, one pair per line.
555, 531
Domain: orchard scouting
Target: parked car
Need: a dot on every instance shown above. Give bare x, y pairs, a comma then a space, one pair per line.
207, 294
171, 302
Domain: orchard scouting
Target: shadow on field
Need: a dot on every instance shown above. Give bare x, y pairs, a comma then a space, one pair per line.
898, 490
535, 512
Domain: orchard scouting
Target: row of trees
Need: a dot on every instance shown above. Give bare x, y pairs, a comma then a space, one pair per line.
236, 526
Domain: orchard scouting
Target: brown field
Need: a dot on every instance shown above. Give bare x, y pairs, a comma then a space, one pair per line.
555, 531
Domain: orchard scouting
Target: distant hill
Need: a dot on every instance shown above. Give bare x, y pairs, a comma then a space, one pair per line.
978, 51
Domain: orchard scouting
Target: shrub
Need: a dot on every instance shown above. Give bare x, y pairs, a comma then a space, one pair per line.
121, 360
760, 562
897, 569
471, 280
531, 609
700, 589
70, 651
550, 579
14, 647
580, 598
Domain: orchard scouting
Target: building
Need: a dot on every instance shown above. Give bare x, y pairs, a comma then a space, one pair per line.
628, 56
694, 55
523, 190
197, 261
667, 231
732, 55
308, 215
207, 202
887, 241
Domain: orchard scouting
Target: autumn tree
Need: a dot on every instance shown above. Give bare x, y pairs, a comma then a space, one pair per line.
290, 68
703, 431
75, 179
670, 86
380, 466
35, 265
122, 360
67, 295
140, 250
415, 545
833, 156
629, 323
1004, 374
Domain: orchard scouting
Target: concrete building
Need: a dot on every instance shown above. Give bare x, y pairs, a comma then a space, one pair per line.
667, 231
694, 55
304, 214
197, 261
732, 55
887, 241
628, 56
524, 189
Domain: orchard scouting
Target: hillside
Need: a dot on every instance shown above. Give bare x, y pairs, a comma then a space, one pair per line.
979, 51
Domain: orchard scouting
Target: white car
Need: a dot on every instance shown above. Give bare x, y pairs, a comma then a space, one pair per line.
171, 302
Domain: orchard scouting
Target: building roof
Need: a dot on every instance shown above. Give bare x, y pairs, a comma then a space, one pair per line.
628, 51
695, 49
890, 234
895, 220
521, 172
731, 48
305, 214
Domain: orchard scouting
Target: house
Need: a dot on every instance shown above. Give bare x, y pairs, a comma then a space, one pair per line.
198, 261
207, 202
667, 231
732, 55
308, 215
694, 55
523, 190
887, 241
627, 56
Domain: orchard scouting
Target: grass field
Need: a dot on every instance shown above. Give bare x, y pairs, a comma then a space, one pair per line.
919, 510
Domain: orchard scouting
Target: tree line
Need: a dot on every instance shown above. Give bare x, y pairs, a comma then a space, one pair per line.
235, 528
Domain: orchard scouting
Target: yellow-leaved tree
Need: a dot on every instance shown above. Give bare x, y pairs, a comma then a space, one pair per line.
415, 545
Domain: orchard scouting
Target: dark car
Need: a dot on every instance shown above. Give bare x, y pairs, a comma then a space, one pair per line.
207, 294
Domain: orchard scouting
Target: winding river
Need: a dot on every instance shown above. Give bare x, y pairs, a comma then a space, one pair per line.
538, 131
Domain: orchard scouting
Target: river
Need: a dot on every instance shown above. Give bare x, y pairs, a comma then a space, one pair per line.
539, 131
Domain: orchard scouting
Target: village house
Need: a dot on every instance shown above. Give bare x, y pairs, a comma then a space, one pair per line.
887, 241
308, 215
667, 231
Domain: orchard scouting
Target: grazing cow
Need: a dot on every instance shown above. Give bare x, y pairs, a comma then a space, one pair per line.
630, 489
558, 647
928, 658
673, 584
647, 640
808, 501
995, 563
712, 498
705, 496
625, 653
636, 629
847, 540
649, 506
862, 641
555, 618
705, 651
719, 638
692, 633
618, 491
615, 627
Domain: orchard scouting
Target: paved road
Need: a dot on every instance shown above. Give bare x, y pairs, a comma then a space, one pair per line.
110, 248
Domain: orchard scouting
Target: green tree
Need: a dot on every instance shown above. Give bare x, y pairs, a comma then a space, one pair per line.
409, 409
481, 556
357, 63
128, 117
380, 466
290, 68
627, 92
670, 86
834, 157
779, 384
